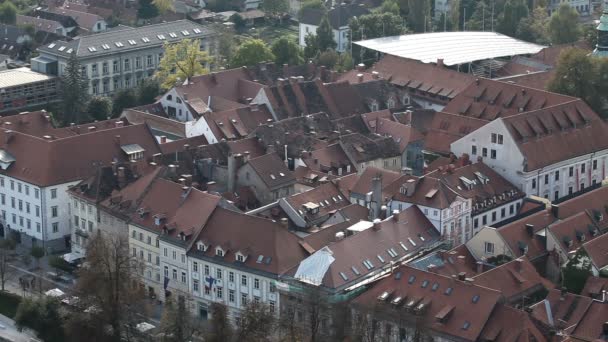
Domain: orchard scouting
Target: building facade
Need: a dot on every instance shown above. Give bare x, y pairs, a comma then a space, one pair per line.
120, 59
22, 88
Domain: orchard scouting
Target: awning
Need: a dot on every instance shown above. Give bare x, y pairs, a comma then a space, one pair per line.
72, 257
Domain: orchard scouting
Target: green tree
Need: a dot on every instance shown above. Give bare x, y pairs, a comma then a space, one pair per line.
275, 8
576, 75
328, 58
325, 35
226, 47
146, 10
163, 6
220, 329
576, 271
419, 15
41, 315
589, 34
533, 28
369, 26
564, 26
99, 108
147, 91
251, 52
390, 6
514, 11
8, 13
37, 253
312, 5
124, 98
239, 23
311, 46
256, 322
180, 62
481, 20
74, 93
286, 51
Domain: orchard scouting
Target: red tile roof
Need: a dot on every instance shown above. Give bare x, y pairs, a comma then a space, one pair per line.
461, 312
489, 99
43, 161
84, 19
514, 279
363, 184
591, 325
520, 241
507, 324
573, 126
272, 170
597, 249
594, 287
447, 128
572, 232
257, 238
402, 134
236, 123
327, 197
567, 309
328, 159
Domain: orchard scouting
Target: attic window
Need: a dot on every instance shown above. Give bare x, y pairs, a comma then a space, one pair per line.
343, 276
161, 36
368, 264
105, 46
219, 252
196, 30
185, 33
61, 48
6, 159
119, 44
132, 42
134, 151
425, 283
435, 287
448, 291
173, 35
411, 279
475, 298
260, 259
403, 246
466, 325
201, 246
392, 252
92, 49
145, 39
355, 270
240, 257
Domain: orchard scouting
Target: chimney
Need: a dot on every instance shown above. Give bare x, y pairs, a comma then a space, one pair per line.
122, 177
376, 199
359, 78
339, 236
605, 328
185, 190
8, 135
117, 139
211, 186
186, 147
118, 124
462, 276
187, 179
172, 171
479, 267
440, 62
530, 229
285, 222
555, 210
461, 259
396, 215
376, 223
431, 268
235, 161
185, 96
270, 149
375, 75
360, 67
92, 128
163, 139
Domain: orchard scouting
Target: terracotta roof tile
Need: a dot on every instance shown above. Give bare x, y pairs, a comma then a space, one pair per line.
514, 279
567, 309
594, 287
507, 324
272, 171
597, 249
446, 129
591, 325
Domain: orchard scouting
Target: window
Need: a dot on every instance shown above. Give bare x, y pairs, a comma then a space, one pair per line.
165, 251
207, 290
195, 285
183, 258
493, 154
54, 211
500, 139
27, 207
595, 164
231, 277
138, 62
243, 299
76, 220
489, 248
583, 168
53, 193
206, 269
218, 273
19, 187
557, 175
484, 219
174, 255
272, 288
55, 227
503, 212
13, 202
511, 209
219, 292
149, 240
195, 266
2, 199
271, 306
493, 216
493, 138
37, 227
20, 205
149, 60
183, 277
174, 274
127, 64
546, 179
534, 184
244, 280
256, 283
570, 190
36, 193
134, 252
166, 272
484, 152
556, 195
150, 257
240, 258
473, 149
231, 296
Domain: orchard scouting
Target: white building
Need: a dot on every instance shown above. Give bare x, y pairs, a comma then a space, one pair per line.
550, 152
338, 19
120, 59
36, 173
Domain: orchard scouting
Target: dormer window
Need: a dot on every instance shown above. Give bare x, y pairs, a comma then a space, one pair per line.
201, 246
219, 252
134, 151
158, 219
240, 257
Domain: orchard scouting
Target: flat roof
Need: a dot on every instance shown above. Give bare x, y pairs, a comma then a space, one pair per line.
20, 76
453, 47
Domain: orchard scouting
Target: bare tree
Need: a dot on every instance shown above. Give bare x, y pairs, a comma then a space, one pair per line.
6, 271
177, 323
108, 285
219, 328
257, 323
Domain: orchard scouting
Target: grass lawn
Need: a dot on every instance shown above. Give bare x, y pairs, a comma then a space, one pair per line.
8, 304
269, 33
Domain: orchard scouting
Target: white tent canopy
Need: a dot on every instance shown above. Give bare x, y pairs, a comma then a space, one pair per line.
453, 47
312, 269
54, 293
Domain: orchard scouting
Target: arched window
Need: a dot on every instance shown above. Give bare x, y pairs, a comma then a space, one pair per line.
169, 97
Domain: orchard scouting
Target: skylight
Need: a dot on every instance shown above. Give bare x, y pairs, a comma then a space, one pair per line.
70, 50
392, 252
343, 276
172, 35
105, 46
161, 36
132, 42
61, 48
425, 283
435, 286
403, 246
196, 30
466, 325
412, 242
260, 259
92, 49
185, 33
355, 270
52, 45
380, 258
475, 298
368, 264
448, 291
411, 279
119, 44
145, 39
272, 176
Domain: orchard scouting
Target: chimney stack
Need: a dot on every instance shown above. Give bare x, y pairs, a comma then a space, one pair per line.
479, 267
359, 78
530, 229
462, 276
360, 67
555, 210
518, 263
119, 124
122, 177
440, 62
375, 75
163, 139
285, 222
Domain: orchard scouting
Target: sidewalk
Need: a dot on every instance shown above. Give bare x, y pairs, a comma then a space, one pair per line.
11, 333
